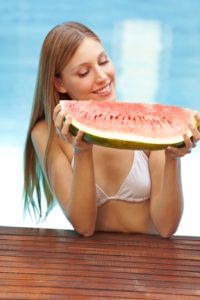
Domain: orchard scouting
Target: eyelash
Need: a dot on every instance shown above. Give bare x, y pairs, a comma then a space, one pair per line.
102, 63
83, 75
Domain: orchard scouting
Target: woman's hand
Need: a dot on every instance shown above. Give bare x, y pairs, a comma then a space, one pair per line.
62, 124
174, 152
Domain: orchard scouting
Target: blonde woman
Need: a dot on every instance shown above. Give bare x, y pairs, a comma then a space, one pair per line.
98, 188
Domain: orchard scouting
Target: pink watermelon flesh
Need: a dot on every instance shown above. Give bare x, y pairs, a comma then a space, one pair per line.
130, 125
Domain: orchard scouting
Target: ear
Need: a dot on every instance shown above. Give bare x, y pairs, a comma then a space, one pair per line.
59, 85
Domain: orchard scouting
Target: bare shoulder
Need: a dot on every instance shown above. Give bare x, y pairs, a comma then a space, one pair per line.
40, 130
40, 137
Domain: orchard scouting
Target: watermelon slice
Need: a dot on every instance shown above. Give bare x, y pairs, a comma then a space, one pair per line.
129, 125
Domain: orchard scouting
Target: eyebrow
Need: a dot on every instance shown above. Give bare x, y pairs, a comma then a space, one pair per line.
85, 63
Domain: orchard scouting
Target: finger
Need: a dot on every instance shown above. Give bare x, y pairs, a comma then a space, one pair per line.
79, 136
65, 129
197, 117
195, 133
57, 109
59, 119
176, 151
188, 142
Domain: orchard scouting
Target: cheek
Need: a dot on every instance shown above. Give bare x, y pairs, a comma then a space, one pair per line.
79, 88
111, 72
84, 85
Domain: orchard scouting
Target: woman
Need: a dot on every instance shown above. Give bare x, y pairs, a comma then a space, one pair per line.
98, 188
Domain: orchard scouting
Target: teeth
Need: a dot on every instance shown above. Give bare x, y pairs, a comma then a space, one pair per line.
103, 90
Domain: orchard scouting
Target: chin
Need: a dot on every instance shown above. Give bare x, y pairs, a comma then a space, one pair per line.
110, 98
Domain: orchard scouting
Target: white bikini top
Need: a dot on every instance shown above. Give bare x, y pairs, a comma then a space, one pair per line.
136, 187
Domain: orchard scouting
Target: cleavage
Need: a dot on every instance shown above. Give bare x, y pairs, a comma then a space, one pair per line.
112, 167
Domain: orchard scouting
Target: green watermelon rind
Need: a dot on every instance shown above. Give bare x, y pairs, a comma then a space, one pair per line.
125, 139
123, 144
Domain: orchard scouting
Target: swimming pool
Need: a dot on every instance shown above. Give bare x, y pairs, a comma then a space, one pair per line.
156, 50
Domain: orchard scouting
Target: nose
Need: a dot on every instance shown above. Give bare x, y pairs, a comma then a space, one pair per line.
101, 76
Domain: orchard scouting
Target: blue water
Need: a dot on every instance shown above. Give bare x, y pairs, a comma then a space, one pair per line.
24, 25
155, 46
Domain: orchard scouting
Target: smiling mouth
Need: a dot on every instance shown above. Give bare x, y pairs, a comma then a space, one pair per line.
103, 91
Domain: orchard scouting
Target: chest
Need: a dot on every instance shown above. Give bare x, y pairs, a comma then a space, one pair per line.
112, 167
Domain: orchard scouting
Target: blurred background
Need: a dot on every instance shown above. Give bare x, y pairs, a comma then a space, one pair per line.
155, 46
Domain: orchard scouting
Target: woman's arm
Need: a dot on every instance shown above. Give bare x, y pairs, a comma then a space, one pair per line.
166, 195
81, 205
74, 189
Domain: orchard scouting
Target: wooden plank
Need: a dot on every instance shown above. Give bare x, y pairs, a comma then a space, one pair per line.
79, 291
96, 248
51, 264
94, 261
100, 270
98, 282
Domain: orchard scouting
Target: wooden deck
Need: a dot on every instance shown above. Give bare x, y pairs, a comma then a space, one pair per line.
59, 264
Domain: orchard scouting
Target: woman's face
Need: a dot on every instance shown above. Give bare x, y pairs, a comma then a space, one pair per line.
90, 74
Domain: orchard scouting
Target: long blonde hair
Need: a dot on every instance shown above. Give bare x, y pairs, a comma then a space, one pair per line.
58, 48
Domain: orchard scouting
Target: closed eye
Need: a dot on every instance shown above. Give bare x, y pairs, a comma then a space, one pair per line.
104, 62
83, 74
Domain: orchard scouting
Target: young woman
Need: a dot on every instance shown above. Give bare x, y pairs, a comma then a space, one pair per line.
98, 188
